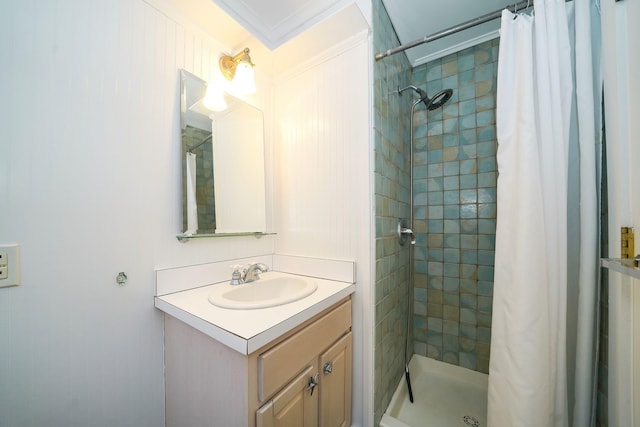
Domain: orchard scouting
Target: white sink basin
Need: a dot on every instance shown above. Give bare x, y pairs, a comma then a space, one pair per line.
271, 290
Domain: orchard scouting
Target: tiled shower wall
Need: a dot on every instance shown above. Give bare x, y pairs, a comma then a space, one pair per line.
392, 197
205, 197
455, 208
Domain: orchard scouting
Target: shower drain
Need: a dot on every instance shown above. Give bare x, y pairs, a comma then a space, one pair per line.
471, 421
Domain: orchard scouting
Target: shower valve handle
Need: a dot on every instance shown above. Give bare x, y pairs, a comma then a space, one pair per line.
403, 232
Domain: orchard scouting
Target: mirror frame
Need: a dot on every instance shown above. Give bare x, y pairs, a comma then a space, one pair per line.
192, 92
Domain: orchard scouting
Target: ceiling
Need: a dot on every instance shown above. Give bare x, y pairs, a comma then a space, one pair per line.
415, 19
276, 22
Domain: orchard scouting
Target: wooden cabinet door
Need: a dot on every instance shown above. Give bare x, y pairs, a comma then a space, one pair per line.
335, 384
295, 406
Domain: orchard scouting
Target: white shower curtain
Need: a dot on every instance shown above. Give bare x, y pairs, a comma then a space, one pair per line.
192, 204
528, 367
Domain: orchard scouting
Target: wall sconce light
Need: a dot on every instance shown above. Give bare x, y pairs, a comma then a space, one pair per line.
214, 98
239, 71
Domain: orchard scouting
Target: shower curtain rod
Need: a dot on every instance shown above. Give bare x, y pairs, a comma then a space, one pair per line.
198, 145
468, 24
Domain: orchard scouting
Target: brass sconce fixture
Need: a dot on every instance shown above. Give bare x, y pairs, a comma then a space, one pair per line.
238, 69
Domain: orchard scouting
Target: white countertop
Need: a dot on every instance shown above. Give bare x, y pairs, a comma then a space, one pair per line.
247, 330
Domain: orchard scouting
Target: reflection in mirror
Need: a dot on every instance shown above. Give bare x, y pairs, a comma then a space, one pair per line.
223, 165
238, 157
198, 201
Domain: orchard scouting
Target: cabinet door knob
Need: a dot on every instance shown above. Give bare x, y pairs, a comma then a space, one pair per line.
313, 382
328, 368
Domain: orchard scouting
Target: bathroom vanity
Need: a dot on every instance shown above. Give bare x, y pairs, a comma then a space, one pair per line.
301, 379
288, 365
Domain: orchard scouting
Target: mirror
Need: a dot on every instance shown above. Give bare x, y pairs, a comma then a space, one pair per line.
223, 182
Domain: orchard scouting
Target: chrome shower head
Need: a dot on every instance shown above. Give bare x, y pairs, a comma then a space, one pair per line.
438, 100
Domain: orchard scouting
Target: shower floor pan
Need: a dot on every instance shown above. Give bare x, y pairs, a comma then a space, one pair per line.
444, 396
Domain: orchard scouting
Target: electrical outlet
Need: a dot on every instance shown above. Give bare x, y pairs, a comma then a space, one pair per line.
9, 265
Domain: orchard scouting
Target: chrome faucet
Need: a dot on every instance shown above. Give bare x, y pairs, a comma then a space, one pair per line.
252, 272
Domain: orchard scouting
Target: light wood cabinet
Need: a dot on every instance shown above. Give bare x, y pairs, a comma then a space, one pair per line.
335, 384
295, 406
319, 397
302, 379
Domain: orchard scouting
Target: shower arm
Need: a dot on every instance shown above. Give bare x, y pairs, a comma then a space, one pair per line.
190, 150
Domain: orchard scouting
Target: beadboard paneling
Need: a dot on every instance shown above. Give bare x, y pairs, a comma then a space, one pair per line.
90, 186
321, 157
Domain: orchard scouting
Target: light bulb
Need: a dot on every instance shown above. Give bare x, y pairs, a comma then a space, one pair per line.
214, 99
244, 82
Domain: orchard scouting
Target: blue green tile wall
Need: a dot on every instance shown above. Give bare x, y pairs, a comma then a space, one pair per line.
454, 202
392, 201
454, 192
205, 197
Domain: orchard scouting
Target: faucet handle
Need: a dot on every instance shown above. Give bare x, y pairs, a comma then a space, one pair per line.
236, 276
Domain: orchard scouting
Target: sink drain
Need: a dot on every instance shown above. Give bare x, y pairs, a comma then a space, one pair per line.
471, 421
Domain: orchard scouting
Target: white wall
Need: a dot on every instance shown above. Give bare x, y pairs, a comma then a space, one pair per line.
89, 187
621, 66
633, 15
321, 157
322, 196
